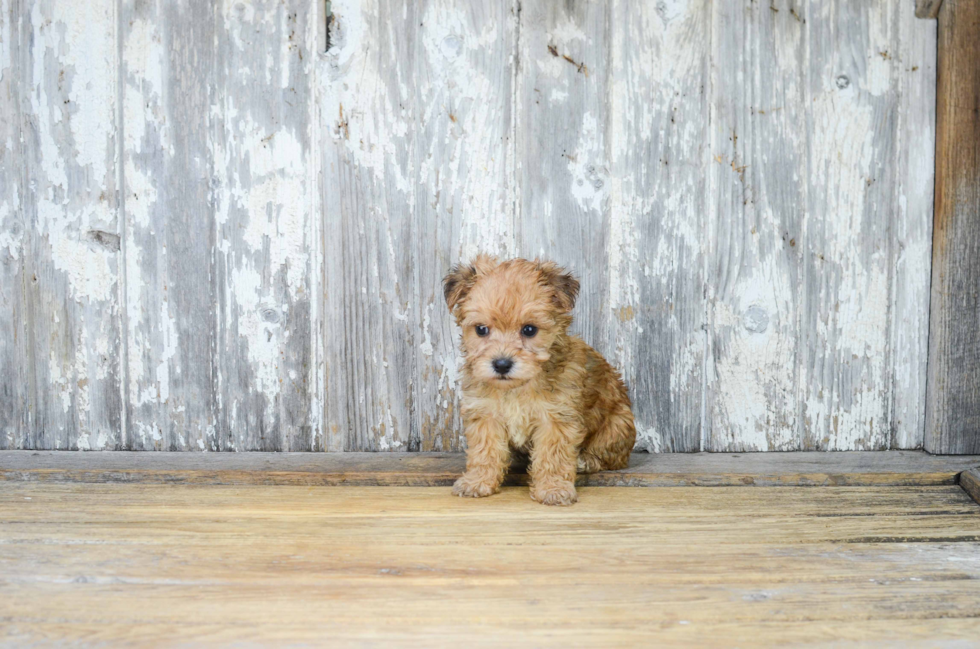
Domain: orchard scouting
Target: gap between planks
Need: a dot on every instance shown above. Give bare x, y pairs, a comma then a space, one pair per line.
852, 468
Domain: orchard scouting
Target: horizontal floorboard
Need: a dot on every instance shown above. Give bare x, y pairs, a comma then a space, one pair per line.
132, 563
853, 468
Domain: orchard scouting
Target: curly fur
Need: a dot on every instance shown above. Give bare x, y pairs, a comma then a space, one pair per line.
561, 402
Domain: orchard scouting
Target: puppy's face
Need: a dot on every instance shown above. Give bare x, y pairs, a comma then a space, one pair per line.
511, 313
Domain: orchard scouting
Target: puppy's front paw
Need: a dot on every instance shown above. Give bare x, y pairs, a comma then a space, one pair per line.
475, 486
556, 493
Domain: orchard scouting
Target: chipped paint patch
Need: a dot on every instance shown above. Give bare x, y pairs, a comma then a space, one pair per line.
12, 232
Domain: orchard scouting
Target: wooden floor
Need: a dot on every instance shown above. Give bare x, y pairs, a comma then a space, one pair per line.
150, 564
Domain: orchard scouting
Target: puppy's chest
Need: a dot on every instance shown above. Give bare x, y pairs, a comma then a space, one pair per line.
517, 416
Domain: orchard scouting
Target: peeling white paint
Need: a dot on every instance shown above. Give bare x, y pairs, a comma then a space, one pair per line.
12, 234
421, 138
426, 346
587, 169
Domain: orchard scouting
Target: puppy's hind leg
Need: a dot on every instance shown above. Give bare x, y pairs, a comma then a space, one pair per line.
609, 448
588, 463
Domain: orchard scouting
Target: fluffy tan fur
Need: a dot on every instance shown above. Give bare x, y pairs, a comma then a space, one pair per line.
560, 401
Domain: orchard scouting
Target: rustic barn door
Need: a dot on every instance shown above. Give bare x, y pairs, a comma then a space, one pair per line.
223, 225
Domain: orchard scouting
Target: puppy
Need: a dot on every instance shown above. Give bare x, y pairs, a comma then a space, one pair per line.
530, 386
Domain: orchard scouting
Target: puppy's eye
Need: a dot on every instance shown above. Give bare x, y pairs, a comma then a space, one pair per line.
528, 331
482, 330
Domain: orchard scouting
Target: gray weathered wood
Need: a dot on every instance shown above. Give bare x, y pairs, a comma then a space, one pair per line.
15, 349
440, 469
220, 243
68, 79
657, 213
368, 128
265, 250
953, 400
927, 8
754, 241
465, 165
911, 235
846, 244
827, 257
215, 235
168, 238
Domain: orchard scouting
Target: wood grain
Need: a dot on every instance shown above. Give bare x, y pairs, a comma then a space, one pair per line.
168, 239
755, 241
265, 249
953, 399
911, 233
676, 567
368, 118
15, 350
817, 308
441, 469
850, 262
68, 72
655, 318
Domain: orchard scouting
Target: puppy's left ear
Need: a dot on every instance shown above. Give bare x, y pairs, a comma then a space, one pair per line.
564, 285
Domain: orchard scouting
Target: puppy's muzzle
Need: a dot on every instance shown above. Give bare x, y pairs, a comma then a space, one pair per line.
502, 366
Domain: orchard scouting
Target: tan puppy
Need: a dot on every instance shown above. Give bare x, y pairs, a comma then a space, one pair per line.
530, 386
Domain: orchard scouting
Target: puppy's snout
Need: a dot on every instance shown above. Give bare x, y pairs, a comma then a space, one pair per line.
502, 365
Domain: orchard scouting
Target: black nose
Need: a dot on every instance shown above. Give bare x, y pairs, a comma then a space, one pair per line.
502, 365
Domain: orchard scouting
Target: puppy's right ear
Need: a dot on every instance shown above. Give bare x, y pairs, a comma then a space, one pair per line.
463, 277
458, 283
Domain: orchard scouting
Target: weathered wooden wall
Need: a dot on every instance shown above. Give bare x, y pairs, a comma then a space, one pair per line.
953, 398
223, 225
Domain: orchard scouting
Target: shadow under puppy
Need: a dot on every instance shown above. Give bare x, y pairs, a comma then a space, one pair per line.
530, 386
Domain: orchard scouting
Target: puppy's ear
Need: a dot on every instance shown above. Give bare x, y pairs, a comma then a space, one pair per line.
463, 277
458, 283
564, 285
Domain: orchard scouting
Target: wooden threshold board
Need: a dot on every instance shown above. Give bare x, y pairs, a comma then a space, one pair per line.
970, 481
872, 468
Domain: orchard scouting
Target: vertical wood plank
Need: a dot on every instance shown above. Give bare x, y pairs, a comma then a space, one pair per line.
854, 55
168, 238
658, 116
264, 219
562, 145
953, 400
15, 352
69, 76
368, 122
758, 197
911, 250
466, 189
